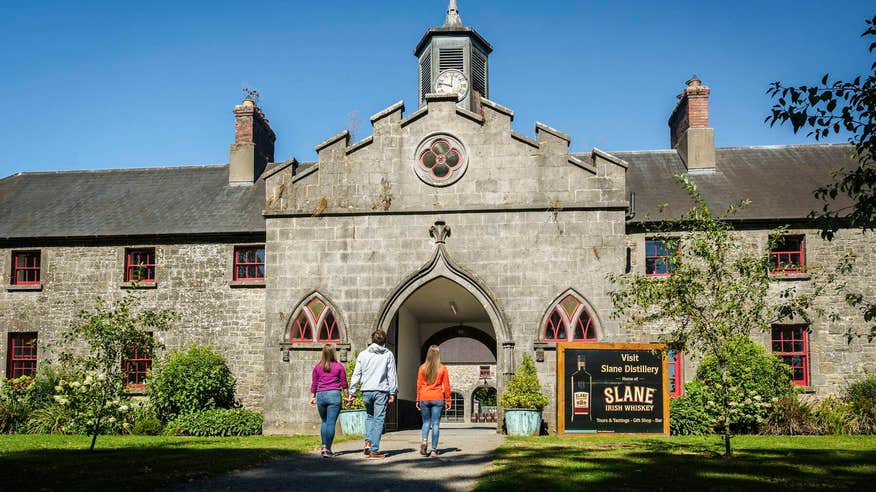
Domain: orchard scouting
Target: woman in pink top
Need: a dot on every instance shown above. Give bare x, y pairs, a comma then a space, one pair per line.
329, 381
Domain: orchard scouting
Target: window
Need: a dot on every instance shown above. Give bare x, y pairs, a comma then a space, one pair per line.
315, 322
569, 321
22, 355
249, 263
661, 257
140, 265
456, 412
137, 364
791, 343
787, 256
25, 268
676, 381
485, 372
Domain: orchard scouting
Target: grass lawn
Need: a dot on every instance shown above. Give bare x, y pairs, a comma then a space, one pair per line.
130, 463
683, 463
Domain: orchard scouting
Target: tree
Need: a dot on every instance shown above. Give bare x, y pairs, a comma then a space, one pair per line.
715, 296
835, 107
110, 331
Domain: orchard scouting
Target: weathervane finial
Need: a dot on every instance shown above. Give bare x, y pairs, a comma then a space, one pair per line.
452, 19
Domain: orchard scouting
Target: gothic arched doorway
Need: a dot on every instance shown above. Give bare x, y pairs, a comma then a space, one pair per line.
440, 312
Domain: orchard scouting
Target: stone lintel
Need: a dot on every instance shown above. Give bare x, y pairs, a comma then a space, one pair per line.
344, 135
399, 106
542, 128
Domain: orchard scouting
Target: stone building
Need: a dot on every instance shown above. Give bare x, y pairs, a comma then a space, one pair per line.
444, 226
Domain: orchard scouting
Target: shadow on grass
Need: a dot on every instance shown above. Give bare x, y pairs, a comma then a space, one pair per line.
129, 469
664, 465
173, 466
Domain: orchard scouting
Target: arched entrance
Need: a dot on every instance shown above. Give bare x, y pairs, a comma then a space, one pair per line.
439, 312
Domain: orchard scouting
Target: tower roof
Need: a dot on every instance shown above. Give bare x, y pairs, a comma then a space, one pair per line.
453, 19
452, 27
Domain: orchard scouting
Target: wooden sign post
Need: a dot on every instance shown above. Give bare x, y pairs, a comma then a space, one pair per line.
612, 388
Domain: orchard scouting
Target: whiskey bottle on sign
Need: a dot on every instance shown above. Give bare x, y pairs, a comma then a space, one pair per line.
582, 384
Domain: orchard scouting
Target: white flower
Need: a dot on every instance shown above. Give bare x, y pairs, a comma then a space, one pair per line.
112, 420
123, 408
58, 388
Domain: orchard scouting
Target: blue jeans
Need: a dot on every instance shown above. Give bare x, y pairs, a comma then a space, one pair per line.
430, 410
328, 404
375, 409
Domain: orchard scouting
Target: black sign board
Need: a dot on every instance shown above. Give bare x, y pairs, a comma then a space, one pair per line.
612, 388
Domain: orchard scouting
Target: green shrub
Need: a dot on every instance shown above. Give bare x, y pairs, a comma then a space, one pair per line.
834, 417
15, 403
47, 378
51, 419
358, 403
861, 397
217, 422
524, 389
148, 427
791, 416
191, 381
755, 380
687, 413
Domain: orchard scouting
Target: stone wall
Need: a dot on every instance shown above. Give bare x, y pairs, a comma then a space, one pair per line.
528, 223
193, 279
833, 360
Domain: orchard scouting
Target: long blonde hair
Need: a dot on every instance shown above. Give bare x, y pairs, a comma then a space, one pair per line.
432, 364
327, 357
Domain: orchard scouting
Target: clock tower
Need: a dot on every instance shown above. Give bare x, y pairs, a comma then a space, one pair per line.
454, 58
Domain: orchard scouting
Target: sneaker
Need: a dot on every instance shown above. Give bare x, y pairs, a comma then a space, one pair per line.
367, 448
423, 449
326, 453
375, 456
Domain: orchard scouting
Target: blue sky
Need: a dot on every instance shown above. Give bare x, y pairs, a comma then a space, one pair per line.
92, 85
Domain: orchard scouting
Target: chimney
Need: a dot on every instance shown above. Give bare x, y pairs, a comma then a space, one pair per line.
253, 146
689, 128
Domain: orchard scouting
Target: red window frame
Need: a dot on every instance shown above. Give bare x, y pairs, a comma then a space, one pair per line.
136, 366
315, 322
671, 246
26, 268
140, 261
791, 344
557, 326
676, 379
785, 254
21, 358
485, 372
247, 267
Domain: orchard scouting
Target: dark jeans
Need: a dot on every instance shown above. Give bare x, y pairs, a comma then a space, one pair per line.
375, 409
430, 410
328, 404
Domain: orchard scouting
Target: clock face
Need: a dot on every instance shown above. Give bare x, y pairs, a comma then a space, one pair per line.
452, 81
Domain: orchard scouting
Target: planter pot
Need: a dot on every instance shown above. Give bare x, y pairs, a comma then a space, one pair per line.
522, 421
353, 422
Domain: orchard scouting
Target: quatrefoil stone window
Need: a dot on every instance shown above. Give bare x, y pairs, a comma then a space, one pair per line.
440, 160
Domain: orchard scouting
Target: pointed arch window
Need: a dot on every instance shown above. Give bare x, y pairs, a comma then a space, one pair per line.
569, 321
315, 321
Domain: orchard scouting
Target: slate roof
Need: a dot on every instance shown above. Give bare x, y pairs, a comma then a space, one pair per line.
779, 180
198, 200
129, 202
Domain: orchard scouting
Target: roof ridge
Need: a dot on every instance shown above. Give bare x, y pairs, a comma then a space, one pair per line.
776, 146
117, 169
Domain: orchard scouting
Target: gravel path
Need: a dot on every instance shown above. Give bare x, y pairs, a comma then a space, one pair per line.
465, 455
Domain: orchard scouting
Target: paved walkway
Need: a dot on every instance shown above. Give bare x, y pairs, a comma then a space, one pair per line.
465, 455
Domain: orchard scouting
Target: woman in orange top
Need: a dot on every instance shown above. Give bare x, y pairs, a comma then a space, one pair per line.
433, 395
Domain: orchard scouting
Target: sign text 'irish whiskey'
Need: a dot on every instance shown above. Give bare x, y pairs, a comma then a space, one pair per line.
605, 388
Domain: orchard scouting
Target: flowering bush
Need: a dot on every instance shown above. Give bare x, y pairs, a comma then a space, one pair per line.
90, 411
